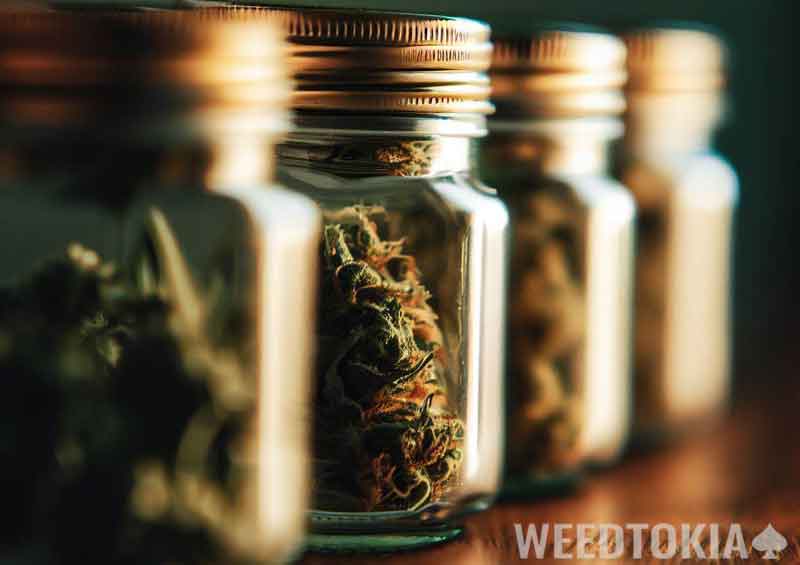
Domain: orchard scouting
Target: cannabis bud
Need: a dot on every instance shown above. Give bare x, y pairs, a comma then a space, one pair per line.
546, 318
132, 415
385, 438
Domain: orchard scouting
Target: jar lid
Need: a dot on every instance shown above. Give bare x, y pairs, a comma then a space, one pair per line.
567, 71
675, 59
382, 62
57, 62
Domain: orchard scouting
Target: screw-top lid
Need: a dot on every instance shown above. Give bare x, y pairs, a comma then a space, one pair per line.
62, 64
368, 61
559, 72
675, 59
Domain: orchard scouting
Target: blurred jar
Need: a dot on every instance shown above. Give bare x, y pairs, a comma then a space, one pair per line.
686, 195
408, 406
558, 97
156, 292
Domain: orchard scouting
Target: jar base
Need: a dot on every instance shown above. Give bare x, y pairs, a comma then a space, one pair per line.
377, 543
540, 486
648, 440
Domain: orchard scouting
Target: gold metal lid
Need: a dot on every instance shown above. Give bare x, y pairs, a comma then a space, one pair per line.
675, 59
567, 72
68, 63
381, 62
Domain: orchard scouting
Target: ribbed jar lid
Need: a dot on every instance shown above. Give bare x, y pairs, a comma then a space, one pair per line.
80, 62
381, 62
675, 59
559, 72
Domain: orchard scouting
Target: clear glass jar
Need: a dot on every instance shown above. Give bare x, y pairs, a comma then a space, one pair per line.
571, 268
408, 406
687, 196
156, 289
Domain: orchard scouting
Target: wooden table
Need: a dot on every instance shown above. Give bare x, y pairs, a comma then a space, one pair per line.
745, 470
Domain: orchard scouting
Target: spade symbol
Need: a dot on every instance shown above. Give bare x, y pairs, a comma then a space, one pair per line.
770, 543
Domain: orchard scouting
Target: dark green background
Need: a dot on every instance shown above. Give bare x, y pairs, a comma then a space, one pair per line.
760, 140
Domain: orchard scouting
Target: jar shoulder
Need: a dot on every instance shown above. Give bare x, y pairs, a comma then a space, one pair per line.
284, 206
692, 176
480, 199
274, 208
708, 179
459, 193
601, 191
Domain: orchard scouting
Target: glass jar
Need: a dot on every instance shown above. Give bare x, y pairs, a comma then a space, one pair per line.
407, 412
558, 99
156, 293
687, 195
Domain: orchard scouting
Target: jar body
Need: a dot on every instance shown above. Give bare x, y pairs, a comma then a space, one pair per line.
146, 316
569, 315
682, 350
408, 395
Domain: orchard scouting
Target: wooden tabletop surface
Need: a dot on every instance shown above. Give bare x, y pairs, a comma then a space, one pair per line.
745, 470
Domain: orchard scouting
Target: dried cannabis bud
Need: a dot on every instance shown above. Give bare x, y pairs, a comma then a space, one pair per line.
384, 436
546, 330
652, 191
125, 419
